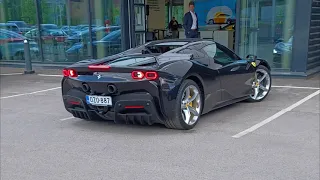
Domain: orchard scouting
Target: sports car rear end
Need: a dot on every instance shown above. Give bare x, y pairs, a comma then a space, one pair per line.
127, 90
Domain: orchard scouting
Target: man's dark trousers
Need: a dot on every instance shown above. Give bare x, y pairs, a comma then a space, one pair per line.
192, 34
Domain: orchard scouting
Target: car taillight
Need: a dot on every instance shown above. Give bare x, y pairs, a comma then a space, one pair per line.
70, 73
137, 75
149, 75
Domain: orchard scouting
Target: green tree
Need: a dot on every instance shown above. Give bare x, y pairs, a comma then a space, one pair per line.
3, 11
28, 11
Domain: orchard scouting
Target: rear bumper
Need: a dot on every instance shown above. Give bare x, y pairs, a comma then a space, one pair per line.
133, 108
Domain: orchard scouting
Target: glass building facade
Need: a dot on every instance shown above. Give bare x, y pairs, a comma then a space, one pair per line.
60, 31
284, 32
266, 29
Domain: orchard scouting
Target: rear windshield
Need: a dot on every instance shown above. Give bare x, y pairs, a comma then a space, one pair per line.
165, 47
9, 27
133, 61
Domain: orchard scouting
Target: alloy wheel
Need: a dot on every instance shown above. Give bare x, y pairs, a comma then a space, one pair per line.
191, 105
262, 84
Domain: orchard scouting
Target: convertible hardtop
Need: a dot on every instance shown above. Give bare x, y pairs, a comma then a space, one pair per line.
162, 50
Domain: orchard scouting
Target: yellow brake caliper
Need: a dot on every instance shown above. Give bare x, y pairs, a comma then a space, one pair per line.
190, 103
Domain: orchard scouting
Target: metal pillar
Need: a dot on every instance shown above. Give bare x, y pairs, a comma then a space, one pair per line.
125, 40
273, 25
39, 22
68, 9
27, 58
127, 24
90, 49
170, 10
238, 14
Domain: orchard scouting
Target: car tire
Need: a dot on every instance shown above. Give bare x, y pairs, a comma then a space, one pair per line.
265, 83
179, 120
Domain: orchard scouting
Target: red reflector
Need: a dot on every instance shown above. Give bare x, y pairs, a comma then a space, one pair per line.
75, 102
134, 107
137, 75
151, 75
99, 67
65, 72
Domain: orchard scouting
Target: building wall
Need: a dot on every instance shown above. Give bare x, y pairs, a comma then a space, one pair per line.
314, 41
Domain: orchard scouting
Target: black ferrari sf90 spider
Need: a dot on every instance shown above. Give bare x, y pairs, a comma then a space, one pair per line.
172, 82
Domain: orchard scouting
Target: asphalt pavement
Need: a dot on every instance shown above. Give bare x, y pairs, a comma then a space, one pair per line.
40, 139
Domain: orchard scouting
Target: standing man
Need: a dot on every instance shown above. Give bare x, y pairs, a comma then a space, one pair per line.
173, 26
190, 22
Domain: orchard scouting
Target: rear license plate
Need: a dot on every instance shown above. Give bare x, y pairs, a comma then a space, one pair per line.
99, 100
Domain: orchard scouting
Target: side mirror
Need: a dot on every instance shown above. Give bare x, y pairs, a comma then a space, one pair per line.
251, 57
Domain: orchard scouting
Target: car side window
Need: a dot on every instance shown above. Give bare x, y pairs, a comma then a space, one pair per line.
210, 50
222, 57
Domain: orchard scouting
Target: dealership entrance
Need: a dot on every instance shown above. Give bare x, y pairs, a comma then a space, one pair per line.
260, 27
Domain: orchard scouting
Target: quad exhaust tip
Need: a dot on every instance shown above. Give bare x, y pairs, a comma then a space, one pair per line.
112, 88
85, 87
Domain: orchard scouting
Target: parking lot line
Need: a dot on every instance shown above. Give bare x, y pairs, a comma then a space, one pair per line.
11, 74
35, 92
65, 119
275, 116
296, 87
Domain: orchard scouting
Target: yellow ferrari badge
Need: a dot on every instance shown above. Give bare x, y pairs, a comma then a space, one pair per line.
253, 64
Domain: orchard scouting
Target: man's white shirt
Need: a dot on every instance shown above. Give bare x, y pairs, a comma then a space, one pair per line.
194, 20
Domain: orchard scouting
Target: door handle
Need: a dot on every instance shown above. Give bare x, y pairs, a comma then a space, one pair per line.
235, 69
